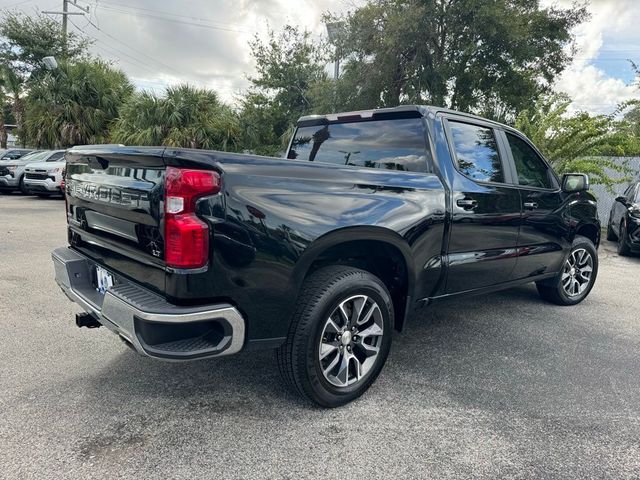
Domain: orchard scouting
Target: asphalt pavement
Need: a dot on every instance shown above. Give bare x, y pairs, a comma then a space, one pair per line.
498, 386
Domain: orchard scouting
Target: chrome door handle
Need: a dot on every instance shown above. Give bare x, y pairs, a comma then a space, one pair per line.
530, 205
467, 203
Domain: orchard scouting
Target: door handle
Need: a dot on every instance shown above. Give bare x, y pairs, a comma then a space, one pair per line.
530, 205
467, 203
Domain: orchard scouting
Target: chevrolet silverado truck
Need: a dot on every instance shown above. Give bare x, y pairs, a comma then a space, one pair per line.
190, 254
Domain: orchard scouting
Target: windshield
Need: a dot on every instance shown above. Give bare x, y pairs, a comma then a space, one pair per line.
35, 156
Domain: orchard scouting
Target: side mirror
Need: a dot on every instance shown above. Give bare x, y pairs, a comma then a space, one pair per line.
575, 182
622, 200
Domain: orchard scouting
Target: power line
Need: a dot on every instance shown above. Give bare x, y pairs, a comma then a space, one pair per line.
130, 47
165, 12
16, 4
111, 49
171, 20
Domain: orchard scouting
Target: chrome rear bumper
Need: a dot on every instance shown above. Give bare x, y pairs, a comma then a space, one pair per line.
146, 321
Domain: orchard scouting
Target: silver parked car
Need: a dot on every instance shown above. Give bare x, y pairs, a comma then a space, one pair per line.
12, 172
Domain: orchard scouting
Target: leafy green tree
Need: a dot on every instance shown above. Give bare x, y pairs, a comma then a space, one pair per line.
13, 87
75, 104
26, 40
631, 123
575, 143
290, 65
490, 57
631, 128
184, 117
259, 121
3, 128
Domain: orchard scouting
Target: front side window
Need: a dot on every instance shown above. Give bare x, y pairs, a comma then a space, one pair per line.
477, 152
397, 144
55, 157
531, 169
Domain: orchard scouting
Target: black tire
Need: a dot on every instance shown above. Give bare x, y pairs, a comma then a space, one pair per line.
611, 235
22, 187
553, 290
623, 246
320, 297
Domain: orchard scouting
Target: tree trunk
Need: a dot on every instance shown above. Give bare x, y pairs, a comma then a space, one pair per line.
3, 134
18, 113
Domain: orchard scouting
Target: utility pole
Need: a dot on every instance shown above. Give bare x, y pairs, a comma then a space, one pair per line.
65, 13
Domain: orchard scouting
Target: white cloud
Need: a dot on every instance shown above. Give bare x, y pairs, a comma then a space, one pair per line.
204, 42
156, 53
611, 35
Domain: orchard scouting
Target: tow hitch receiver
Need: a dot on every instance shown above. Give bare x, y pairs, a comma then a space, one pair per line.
87, 320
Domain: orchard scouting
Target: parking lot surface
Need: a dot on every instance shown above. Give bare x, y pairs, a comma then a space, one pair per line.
498, 386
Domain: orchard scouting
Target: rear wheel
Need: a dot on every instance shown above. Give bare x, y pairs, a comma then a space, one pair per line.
577, 276
339, 337
623, 245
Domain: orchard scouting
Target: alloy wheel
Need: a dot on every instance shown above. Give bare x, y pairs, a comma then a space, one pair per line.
577, 272
351, 340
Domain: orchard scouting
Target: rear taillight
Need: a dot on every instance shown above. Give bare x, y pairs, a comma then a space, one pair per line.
186, 236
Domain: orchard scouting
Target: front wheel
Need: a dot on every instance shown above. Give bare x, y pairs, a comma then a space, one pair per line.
611, 236
623, 246
23, 187
339, 337
577, 276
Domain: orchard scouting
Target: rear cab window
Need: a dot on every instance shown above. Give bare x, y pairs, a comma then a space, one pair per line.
394, 144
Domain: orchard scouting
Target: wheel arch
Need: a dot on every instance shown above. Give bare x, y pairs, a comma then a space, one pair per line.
591, 230
378, 250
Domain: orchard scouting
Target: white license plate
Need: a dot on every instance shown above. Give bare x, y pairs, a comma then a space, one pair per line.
104, 280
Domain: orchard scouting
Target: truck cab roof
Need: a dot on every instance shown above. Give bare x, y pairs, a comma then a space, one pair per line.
390, 112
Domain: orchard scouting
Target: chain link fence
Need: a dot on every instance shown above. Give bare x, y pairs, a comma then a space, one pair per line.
605, 198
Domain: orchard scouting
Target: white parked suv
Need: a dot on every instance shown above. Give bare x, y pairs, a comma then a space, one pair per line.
12, 171
45, 177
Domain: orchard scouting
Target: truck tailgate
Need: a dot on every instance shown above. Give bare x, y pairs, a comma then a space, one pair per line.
114, 210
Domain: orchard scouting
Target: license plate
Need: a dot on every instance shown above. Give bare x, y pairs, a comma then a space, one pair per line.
104, 280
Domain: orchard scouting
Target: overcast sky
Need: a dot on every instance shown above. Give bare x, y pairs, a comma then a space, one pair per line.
204, 42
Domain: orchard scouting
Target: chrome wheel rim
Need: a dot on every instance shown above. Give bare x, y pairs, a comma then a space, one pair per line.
351, 340
577, 272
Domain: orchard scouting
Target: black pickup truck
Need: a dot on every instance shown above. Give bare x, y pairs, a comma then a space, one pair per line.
189, 254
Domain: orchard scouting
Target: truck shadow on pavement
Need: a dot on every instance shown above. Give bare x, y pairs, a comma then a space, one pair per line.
509, 348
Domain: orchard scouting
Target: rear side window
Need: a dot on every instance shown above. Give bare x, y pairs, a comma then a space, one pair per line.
397, 144
531, 169
477, 152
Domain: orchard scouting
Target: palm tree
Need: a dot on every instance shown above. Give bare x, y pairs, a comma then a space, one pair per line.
13, 86
3, 128
75, 104
184, 117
